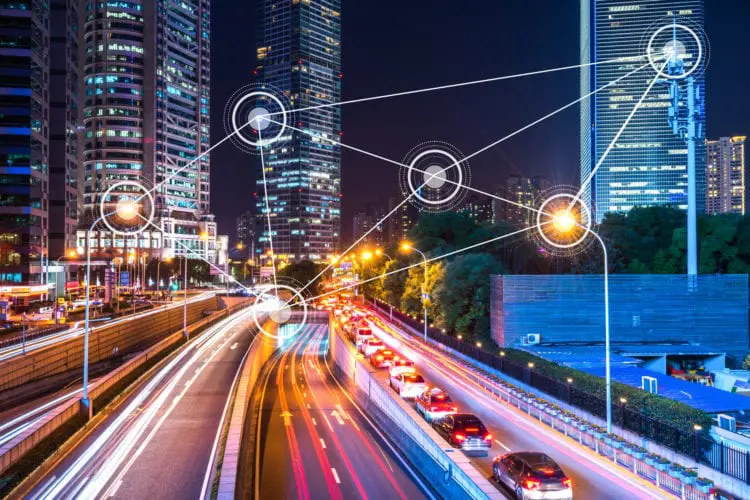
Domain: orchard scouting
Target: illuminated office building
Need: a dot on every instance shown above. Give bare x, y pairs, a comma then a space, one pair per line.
648, 164
725, 175
38, 142
523, 192
146, 116
299, 54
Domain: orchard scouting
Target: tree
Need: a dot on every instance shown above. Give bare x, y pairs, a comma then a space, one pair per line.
464, 294
303, 272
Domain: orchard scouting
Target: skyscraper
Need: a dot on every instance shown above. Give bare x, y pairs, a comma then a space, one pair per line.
146, 117
38, 153
725, 175
648, 164
524, 191
299, 54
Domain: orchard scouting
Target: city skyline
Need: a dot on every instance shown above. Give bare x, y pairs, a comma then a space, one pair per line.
550, 149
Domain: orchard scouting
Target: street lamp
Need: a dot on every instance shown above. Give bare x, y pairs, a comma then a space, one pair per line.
380, 252
406, 246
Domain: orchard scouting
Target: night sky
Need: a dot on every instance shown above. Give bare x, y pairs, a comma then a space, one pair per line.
396, 45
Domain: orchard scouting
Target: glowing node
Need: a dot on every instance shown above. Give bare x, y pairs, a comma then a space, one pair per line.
674, 51
259, 118
132, 211
434, 176
563, 221
276, 304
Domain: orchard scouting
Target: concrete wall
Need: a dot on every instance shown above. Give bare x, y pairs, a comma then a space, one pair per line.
451, 473
104, 342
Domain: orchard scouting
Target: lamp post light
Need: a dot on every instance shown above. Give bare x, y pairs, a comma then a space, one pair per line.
697, 428
406, 246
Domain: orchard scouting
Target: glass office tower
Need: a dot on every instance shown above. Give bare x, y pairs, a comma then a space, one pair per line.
147, 91
299, 54
648, 164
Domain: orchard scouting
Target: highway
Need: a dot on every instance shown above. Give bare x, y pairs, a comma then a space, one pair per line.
159, 441
313, 439
593, 476
77, 329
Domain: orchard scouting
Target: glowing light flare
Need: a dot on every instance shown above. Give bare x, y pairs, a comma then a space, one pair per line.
564, 221
127, 209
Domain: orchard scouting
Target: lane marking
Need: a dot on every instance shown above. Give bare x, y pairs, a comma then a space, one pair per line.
322, 443
335, 475
234, 346
315, 422
502, 445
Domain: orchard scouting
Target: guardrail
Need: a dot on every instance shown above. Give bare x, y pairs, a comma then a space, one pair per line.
13, 450
31, 335
452, 471
676, 481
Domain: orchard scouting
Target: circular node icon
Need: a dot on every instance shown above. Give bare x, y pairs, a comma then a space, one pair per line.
279, 304
257, 116
562, 222
434, 176
127, 207
675, 51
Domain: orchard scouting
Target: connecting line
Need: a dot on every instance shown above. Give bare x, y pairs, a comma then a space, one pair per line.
268, 208
191, 162
526, 127
464, 84
585, 183
431, 259
394, 162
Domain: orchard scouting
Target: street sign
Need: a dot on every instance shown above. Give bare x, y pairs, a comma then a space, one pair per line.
125, 278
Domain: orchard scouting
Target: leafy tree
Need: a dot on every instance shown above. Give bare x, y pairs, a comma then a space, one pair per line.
304, 272
464, 294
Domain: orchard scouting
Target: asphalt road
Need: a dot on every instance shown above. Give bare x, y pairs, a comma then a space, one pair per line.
158, 443
314, 442
593, 476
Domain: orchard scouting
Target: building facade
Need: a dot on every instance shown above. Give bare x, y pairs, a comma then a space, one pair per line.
299, 54
648, 164
146, 115
478, 207
725, 175
523, 192
38, 142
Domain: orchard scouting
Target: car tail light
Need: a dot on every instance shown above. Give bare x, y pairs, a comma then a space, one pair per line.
455, 408
459, 437
379, 357
531, 483
488, 437
433, 408
567, 482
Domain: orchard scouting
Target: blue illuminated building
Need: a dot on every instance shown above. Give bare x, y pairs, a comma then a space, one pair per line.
299, 54
648, 164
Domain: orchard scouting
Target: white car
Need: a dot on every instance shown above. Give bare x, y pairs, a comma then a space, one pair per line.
401, 365
408, 385
371, 346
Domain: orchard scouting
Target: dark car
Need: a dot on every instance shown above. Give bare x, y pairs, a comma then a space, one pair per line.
465, 431
531, 474
383, 358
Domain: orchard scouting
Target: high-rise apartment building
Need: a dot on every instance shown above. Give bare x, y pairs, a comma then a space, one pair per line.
38, 153
478, 207
523, 192
725, 175
299, 54
146, 118
648, 163
245, 227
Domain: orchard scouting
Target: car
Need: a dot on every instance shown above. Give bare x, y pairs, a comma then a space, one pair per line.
361, 334
435, 404
408, 385
383, 358
465, 431
532, 475
401, 365
371, 346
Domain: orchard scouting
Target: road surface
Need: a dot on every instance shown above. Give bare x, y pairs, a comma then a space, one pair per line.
314, 441
593, 476
159, 442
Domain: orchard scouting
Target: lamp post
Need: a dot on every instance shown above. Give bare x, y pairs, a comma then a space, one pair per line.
406, 247
184, 304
